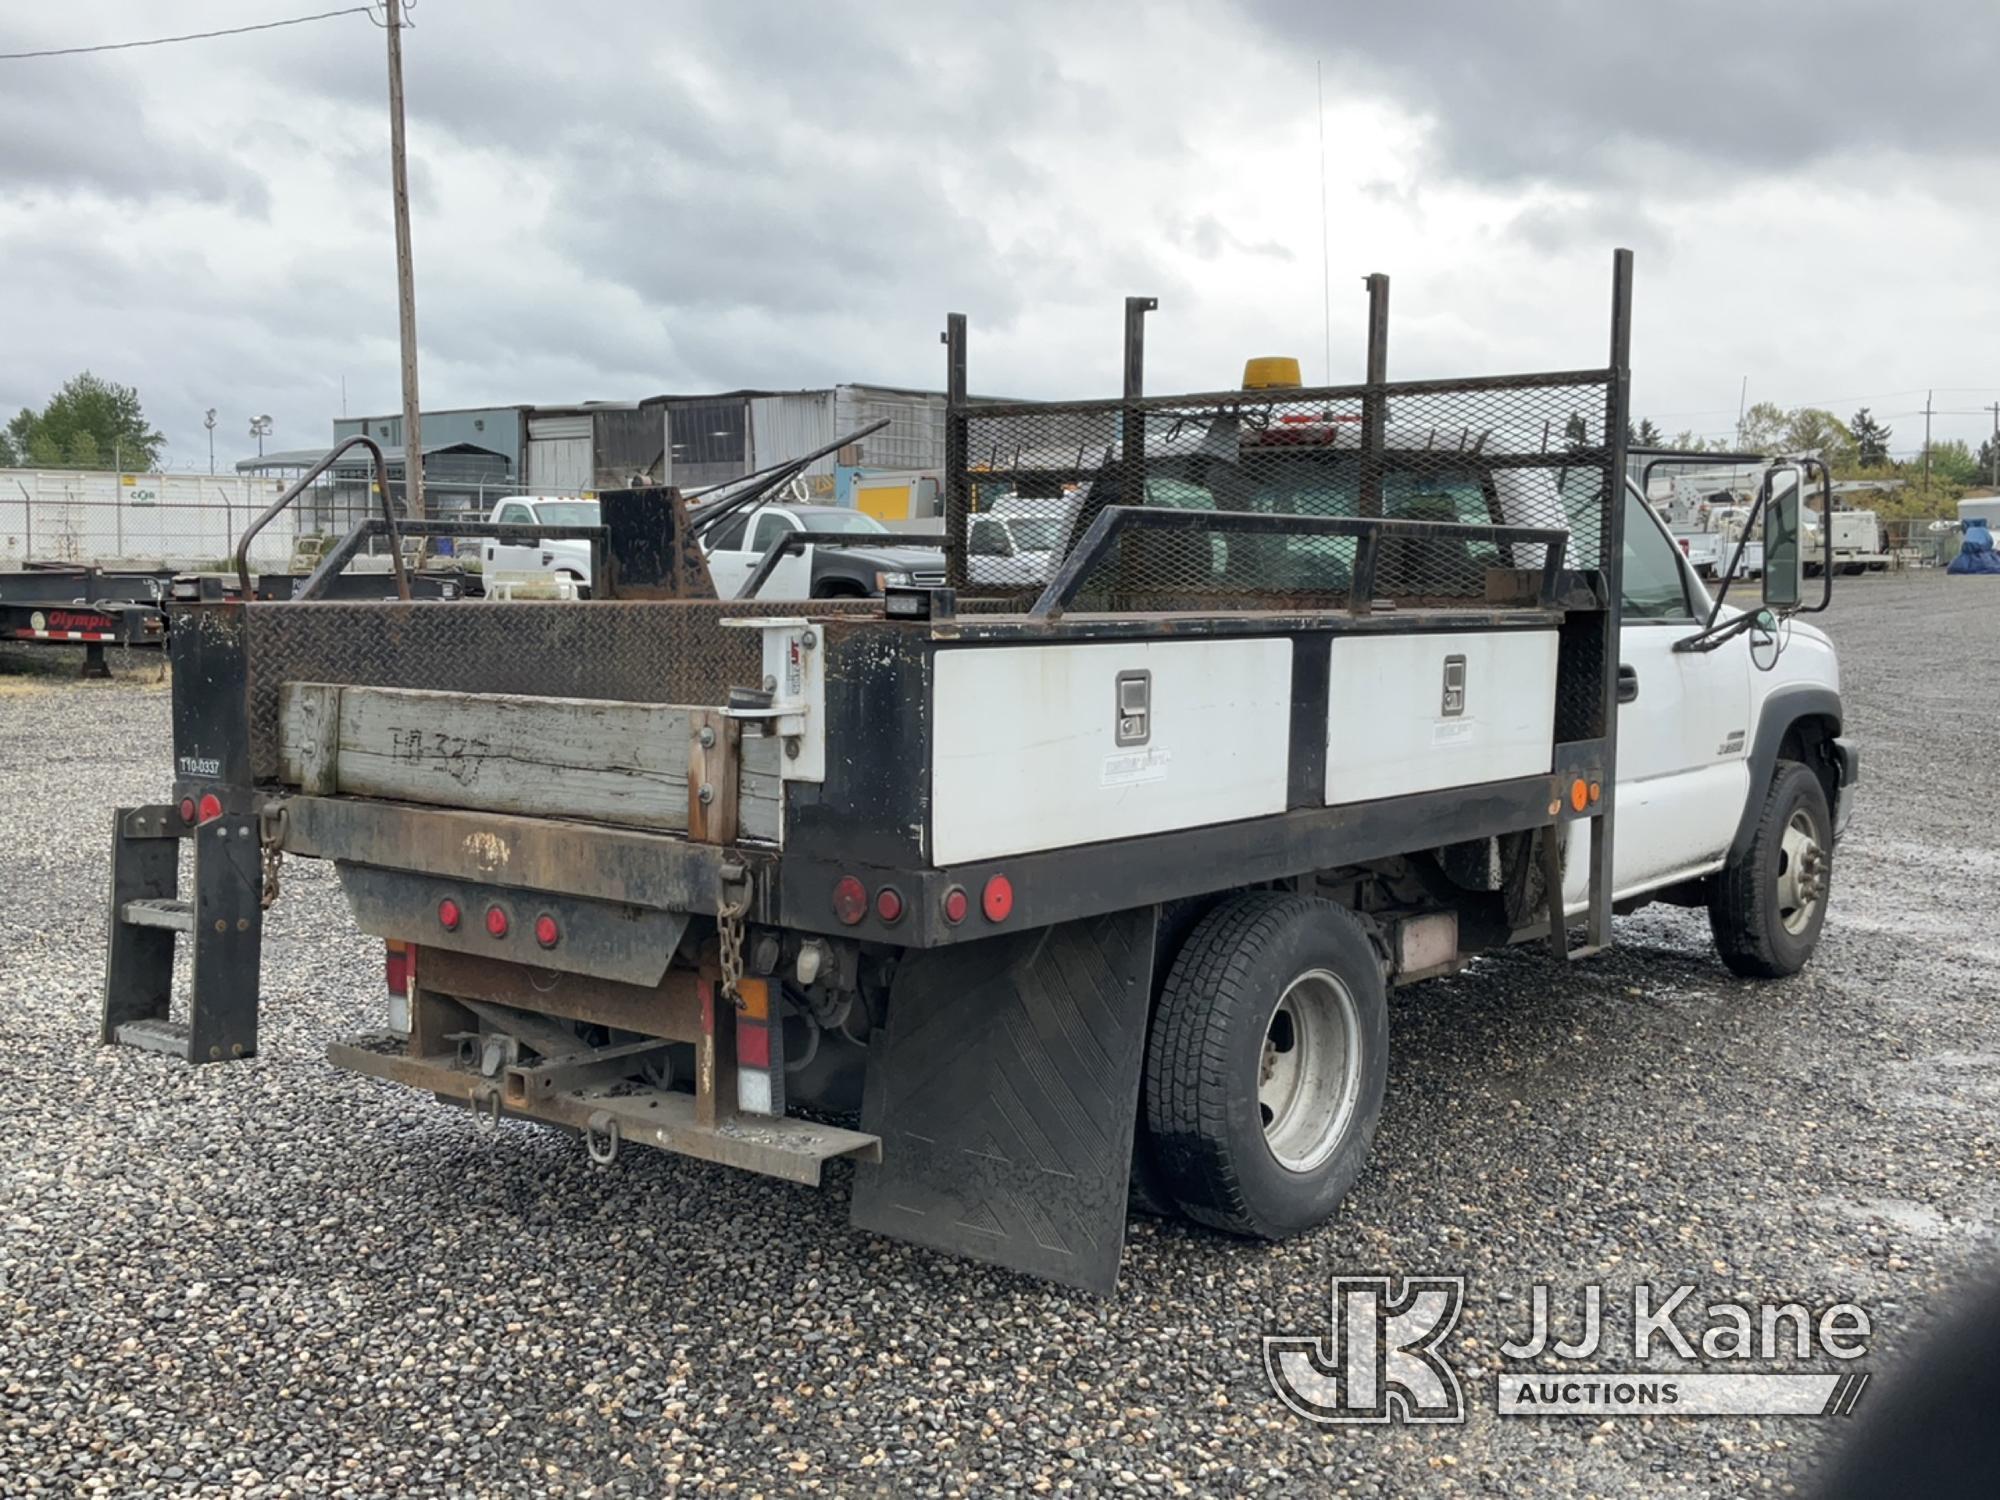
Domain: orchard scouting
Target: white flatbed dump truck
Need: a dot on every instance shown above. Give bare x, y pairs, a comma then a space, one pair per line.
1035, 902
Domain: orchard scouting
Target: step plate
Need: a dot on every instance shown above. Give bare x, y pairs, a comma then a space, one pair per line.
1005, 1090
170, 1037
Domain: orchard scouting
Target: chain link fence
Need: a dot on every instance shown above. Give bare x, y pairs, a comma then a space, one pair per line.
1922, 543
171, 520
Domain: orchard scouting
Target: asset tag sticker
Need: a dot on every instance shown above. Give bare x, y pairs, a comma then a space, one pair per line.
1454, 732
1141, 764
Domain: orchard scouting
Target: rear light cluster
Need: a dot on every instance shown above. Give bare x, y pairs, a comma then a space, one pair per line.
205, 811
451, 916
851, 903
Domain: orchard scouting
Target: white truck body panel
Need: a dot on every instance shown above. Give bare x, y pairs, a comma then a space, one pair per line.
1024, 751
1391, 731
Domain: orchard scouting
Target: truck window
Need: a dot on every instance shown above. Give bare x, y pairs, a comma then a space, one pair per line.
989, 539
514, 513
730, 537
771, 526
1655, 588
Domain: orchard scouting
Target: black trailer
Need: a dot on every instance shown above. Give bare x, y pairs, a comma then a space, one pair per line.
1028, 901
66, 604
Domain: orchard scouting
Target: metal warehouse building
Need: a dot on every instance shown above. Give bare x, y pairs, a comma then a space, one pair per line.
687, 440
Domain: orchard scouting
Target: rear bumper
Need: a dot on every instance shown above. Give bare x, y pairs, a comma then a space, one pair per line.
778, 1146
1847, 760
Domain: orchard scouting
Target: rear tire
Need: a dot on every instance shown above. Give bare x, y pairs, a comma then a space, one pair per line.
1767, 908
1266, 1064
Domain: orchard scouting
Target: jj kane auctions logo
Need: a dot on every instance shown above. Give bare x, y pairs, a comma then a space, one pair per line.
1382, 1358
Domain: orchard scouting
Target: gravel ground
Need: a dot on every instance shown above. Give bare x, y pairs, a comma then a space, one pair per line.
272, 1278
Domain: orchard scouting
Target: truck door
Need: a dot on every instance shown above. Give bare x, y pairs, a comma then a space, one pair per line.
1683, 725
743, 544
510, 557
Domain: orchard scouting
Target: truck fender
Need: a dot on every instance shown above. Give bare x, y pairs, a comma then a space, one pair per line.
1784, 708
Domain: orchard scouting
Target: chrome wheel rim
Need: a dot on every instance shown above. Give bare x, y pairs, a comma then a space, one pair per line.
1309, 1071
1802, 873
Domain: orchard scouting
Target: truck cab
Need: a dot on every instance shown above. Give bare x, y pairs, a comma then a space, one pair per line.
562, 559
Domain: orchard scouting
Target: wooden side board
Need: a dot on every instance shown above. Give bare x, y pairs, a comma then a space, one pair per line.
586, 758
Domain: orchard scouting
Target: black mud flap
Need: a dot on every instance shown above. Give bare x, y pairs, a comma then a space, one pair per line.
1005, 1088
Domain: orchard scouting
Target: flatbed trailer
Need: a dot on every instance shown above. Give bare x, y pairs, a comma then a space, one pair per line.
62, 604
974, 891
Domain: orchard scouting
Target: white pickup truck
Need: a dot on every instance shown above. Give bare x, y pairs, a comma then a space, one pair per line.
563, 559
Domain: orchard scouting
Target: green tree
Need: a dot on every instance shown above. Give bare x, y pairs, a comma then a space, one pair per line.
1812, 430
1989, 461
87, 416
1688, 441
1763, 426
1952, 461
9, 459
1645, 435
1871, 440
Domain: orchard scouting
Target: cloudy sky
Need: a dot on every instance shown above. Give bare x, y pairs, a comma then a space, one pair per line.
613, 200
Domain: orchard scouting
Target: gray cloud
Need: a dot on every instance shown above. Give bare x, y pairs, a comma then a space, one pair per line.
617, 199
1548, 90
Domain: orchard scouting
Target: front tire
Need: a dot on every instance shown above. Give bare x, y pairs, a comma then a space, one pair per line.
1766, 909
1266, 1064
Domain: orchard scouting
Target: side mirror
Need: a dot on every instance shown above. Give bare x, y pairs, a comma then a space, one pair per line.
1784, 547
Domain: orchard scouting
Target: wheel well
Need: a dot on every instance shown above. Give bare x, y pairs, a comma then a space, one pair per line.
1809, 741
839, 588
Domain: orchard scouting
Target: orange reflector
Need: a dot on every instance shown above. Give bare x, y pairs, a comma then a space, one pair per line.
1597, 791
753, 996
1579, 795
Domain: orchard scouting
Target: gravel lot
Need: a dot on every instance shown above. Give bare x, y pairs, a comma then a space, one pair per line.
272, 1278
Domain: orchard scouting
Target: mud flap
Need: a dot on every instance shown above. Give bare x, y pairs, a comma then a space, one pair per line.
1005, 1089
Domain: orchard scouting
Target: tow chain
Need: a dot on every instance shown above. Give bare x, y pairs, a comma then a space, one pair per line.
731, 902
271, 841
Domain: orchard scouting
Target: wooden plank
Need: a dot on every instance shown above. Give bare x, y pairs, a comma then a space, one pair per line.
712, 777
590, 758
309, 740
760, 787
623, 762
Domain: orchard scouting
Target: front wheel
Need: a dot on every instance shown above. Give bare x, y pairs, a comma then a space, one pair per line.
1266, 1064
1766, 908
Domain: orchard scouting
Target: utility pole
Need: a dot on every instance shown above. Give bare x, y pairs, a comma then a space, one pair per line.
1927, 440
406, 292
1994, 458
1742, 397
209, 422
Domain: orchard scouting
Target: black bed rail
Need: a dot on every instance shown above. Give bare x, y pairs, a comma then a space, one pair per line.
1369, 532
298, 488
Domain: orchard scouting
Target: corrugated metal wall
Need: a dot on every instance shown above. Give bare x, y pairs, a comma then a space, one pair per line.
789, 425
559, 454
914, 438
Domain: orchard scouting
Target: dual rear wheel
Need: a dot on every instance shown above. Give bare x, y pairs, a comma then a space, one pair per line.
1265, 1065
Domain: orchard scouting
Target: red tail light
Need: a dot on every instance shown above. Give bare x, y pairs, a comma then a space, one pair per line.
546, 931
496, 921
211, 807
398, 969
889, 905
449, 916
187, 809
997, 900
957, 905
850, 900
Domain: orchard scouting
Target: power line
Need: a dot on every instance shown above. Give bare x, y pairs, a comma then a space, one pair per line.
193, 36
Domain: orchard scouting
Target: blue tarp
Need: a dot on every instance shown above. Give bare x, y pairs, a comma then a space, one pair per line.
1976, 555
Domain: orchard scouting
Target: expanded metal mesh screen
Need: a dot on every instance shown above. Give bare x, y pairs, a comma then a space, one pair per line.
1475, 459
